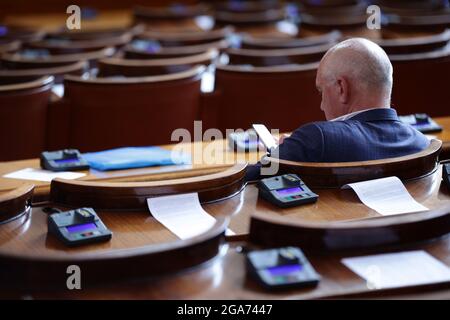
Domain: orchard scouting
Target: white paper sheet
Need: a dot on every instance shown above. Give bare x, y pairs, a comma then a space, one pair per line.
42, 175
402, 269
182, 214
387, 196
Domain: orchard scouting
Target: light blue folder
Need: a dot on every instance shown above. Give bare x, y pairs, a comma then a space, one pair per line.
135, 157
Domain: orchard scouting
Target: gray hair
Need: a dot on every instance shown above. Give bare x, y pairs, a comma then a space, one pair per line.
363, 61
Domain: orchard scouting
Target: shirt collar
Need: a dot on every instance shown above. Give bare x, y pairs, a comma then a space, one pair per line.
370, 115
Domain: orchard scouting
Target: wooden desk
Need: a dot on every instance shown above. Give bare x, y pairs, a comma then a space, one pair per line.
218, 157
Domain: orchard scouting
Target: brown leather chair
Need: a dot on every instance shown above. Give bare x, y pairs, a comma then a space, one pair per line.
276, 57
282, 97
23, 61
139, 68
23, 118
21, 75
337, 174
57, 46
179, 39
9, 46
131, 52
263, 43
170, 18
421, 82
415, 44
106, 113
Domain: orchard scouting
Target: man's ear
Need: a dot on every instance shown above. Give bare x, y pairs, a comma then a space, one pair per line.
343, 90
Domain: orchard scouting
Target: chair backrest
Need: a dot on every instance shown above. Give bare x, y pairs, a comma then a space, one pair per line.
130, 52
178, 39
15, 203
169, 18
23, 118
415, 44
114, 112
55, 46
249, 42
22, 61
282, 97
134, 195
337, 174
138, 67
420, 82
276, 57
9, 46
432, 21
245, 19
20, 75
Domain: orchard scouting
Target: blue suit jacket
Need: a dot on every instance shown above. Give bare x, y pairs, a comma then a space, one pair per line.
369, 135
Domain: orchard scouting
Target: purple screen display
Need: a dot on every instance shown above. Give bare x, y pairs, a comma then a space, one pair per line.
81, 227
287, 192
283, 270
66, 160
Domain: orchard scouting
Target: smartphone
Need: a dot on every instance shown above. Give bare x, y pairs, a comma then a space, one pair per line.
266, 137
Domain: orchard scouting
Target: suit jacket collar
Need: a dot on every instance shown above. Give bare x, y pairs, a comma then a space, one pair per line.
378, 114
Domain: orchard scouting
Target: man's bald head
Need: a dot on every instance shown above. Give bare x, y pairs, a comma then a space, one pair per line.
358, 75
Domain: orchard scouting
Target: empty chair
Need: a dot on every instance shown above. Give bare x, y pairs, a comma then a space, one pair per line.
175, 17
23, 34
9, 46
23, 118
348, 17
62, 46
32, 59
58, 71
77, 35
282, 97
276, 57
178, 39
157, 52
249, 42
107, 113
138, 68
415, 44
247, 6
420, 82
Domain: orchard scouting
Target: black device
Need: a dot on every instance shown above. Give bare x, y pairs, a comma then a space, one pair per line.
422, 122
286, 191
281, 268
446, 174
244, 141
63, 160
77, 227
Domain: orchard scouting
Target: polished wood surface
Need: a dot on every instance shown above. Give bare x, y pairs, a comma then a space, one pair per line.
337, 174
134, 195
30, 257
15, 202
225, 275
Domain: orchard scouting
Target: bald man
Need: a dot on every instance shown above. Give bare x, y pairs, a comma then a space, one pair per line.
354, 79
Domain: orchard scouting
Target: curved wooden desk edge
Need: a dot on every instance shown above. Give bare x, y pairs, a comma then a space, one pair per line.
44, 271
337, 174
133, 195
369, 233
15, 203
